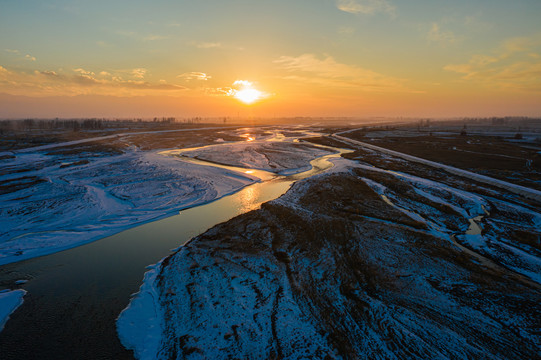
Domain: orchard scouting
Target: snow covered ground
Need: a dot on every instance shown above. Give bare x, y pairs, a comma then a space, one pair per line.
281, 157
101, 138
54, 202
508, 233
359, 262
9, 302
521, 190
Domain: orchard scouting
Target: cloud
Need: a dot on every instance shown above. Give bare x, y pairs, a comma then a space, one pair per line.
154, 37
243, 83
520, 44
194, 75
19, 56
139, 73
80, 81
328, 72
439, 33
436, 34
84, 72
136, 36
219, 91
511, 66
237, 88
47, 73
367, 7
207, 45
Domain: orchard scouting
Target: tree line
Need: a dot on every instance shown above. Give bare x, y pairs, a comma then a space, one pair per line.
89, 124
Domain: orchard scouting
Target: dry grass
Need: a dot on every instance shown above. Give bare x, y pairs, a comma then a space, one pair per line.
486, 155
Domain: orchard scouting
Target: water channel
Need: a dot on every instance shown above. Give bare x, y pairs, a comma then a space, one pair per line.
74, 296
474, 229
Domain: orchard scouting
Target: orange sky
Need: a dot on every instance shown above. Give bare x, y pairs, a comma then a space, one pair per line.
328, 58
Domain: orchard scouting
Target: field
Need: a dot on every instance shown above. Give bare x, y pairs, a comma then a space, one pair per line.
379, 256
486, 150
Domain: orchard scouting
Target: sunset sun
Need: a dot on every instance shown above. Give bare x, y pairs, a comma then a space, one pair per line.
248, 96
244, 91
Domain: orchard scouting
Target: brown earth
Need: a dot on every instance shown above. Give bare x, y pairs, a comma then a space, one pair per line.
332, 256
497, 157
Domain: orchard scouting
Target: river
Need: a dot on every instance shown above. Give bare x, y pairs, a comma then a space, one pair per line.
75, 296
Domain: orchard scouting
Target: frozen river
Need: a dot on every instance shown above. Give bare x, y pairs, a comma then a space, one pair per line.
75, 296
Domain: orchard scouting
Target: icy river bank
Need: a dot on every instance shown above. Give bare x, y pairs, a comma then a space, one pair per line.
378, 257
73, 297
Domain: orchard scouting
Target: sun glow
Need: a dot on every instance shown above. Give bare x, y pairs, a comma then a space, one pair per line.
244, 91
248, 96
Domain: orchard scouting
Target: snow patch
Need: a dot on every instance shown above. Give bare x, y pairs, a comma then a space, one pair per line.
139, 326
109, 194
9, 302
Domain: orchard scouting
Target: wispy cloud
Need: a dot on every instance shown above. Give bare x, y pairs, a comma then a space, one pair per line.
18, 55
237, 88
154, 37
367, 7
80, 81
194, 75
47, 73
521, 45
140, 37
207, 45
328, 72
139, 73
83, 72
515, 65
437, 35
453, 29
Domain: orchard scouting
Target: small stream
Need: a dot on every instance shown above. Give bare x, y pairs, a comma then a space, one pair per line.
474, 229
75, 296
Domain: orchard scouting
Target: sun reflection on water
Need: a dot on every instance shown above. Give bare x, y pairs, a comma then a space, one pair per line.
249, 197
248, 137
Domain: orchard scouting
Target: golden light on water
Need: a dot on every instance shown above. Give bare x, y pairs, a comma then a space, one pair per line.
248, 137
249, 197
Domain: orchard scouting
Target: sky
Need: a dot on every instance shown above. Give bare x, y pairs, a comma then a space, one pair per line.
356, 58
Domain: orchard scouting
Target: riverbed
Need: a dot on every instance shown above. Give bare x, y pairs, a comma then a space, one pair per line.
75, 296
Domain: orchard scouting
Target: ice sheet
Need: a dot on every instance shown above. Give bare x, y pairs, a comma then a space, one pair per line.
9, 302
